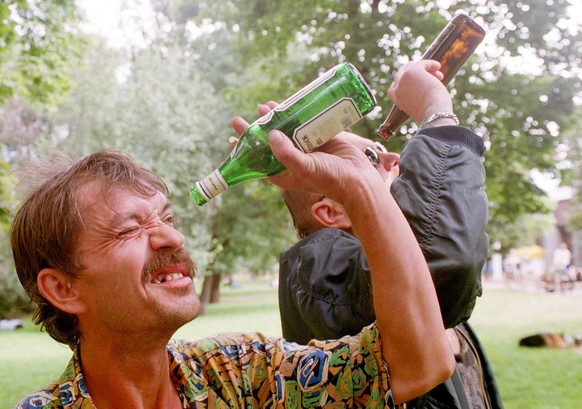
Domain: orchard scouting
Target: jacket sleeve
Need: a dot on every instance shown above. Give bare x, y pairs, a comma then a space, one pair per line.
324, 288
441, 190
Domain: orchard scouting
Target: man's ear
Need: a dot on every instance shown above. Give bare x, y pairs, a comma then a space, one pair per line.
60, 290
331, 214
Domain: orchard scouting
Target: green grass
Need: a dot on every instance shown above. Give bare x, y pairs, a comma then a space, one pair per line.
529, 378
532, 377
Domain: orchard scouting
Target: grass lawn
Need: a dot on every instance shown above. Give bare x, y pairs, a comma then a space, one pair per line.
529, 378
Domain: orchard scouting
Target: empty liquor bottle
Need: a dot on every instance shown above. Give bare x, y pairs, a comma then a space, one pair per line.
452, 47
310, 117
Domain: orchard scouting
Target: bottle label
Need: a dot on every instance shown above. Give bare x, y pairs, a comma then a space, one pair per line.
323, 127
212, 185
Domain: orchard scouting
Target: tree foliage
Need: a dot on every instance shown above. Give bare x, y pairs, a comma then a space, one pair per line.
516, 91
11, 293
573, 161
38, 44
169, 104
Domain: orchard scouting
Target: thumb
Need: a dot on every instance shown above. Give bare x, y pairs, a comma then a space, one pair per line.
284, 149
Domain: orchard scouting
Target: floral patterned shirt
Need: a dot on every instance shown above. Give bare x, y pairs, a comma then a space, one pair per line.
252, 371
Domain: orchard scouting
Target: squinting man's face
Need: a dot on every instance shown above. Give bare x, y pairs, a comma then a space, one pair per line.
139, 277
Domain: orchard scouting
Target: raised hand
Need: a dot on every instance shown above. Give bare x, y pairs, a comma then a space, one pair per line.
417, 90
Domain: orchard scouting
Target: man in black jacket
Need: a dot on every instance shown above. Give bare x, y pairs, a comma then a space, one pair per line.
438, 182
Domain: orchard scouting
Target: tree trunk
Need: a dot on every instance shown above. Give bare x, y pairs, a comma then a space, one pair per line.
215, 289
210, 292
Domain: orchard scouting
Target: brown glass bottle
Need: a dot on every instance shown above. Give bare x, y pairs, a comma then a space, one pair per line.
453, 46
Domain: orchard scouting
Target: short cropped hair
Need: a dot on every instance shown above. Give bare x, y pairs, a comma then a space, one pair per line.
47, 225
299, 205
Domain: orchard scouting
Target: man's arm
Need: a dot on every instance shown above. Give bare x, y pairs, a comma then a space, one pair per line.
413, 340
441, 190
401, 290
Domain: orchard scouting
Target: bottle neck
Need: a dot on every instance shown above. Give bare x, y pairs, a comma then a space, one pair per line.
211, 186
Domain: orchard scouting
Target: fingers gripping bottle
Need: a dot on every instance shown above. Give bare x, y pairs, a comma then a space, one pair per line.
452, 47
312, 116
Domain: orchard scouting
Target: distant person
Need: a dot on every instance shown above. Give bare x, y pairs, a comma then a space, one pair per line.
561, 259
561, 265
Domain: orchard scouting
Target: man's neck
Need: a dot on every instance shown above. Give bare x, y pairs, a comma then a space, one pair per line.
128, 375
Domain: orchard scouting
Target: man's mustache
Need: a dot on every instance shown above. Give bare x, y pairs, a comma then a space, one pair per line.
168, 257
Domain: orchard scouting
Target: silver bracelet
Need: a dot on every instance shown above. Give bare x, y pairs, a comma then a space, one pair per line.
438, 115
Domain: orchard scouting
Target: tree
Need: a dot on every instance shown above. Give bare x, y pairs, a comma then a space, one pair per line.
11, 292
38, 44
516, 91
572, 150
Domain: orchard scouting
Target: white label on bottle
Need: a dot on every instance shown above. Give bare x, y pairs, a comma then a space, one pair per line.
298, 95
323, 127
212, 185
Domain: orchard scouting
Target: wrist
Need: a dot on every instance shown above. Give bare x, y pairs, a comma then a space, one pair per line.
439, 119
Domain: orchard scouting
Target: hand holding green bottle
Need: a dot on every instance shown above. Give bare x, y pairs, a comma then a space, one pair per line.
240, 125
310, 117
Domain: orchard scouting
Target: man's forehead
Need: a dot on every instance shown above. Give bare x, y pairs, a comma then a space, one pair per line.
115, 197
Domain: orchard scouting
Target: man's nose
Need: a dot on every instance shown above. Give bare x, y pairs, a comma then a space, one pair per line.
165, 236
388, 160
380, 156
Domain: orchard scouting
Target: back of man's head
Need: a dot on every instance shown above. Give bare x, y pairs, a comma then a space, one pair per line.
312, 212
299, 204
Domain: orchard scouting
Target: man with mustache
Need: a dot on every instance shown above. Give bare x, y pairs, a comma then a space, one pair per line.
96, 248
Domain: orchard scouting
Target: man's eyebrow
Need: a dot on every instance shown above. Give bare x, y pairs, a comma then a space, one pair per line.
120, 217
167, 206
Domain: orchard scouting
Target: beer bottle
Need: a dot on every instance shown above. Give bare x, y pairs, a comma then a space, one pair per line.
310, 117
452, 47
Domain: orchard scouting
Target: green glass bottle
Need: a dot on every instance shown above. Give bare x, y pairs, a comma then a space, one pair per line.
312, 116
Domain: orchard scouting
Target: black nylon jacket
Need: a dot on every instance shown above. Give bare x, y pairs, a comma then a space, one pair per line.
324, 282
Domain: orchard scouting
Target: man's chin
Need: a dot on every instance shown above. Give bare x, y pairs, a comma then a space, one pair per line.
192, 308
196, 309
183, 309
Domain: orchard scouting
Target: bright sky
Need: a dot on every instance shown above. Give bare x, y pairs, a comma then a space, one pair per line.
121, 21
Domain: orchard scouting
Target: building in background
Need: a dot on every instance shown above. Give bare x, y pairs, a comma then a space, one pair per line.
551, 240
